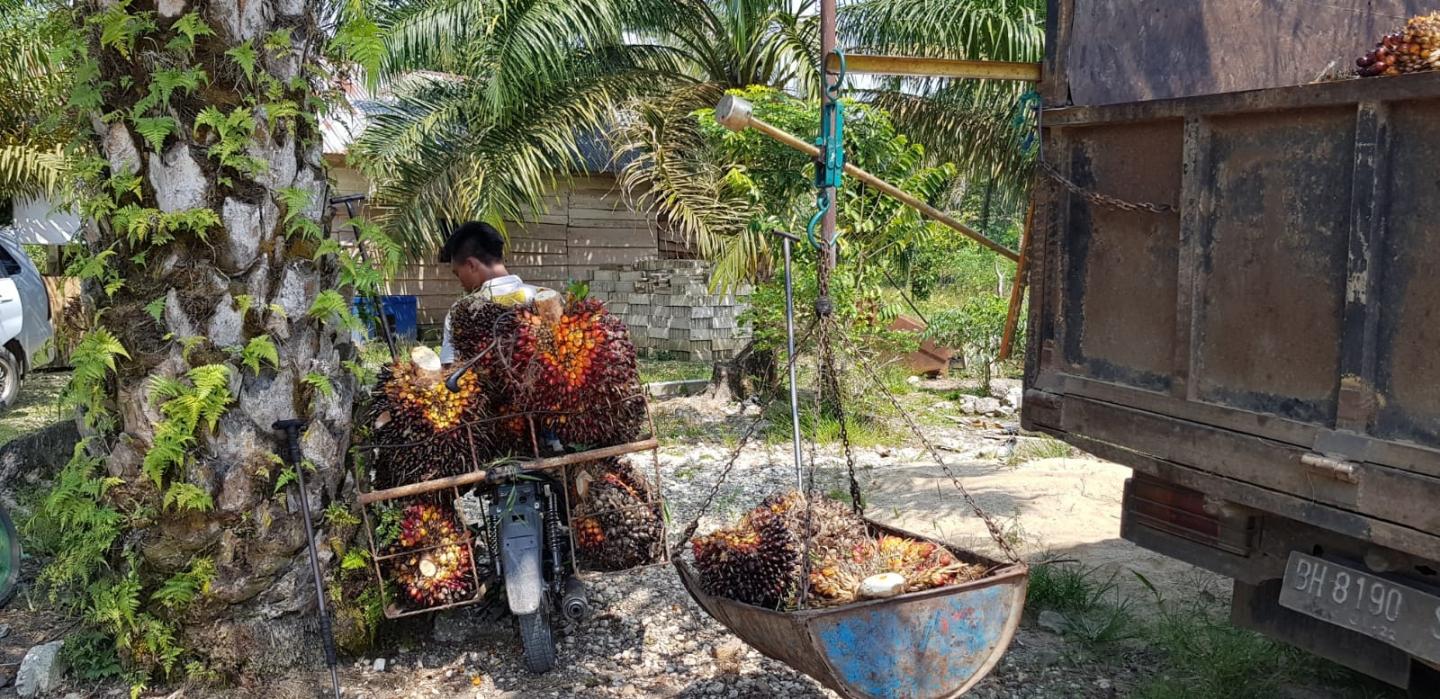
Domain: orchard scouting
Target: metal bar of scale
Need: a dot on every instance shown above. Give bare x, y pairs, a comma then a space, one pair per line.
736, 114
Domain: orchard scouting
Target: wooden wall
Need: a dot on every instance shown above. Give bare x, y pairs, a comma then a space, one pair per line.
587, 225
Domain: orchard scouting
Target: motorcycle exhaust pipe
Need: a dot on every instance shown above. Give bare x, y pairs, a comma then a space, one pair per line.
575, 605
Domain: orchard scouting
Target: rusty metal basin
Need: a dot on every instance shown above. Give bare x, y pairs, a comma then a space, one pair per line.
935, 644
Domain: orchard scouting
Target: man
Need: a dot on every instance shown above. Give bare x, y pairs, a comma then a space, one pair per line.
476, 254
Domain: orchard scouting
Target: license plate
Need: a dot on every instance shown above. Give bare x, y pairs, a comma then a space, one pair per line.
1401, 616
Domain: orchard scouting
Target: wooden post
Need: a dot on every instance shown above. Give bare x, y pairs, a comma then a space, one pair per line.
827, 80
1017, 287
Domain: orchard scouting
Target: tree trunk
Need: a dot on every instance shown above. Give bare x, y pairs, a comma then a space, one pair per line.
248, 278
751, 372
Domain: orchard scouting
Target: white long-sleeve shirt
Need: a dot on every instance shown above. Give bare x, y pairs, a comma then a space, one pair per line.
508, 290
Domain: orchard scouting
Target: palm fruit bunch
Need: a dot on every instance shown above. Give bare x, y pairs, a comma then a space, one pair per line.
758, 561
616, 517
575, 365
437, 572
1413, 50
836, 577
418, 421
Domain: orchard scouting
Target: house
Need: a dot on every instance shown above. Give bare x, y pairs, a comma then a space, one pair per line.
588, 225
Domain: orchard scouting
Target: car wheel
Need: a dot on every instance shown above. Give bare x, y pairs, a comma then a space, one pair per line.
9, 558
9, 379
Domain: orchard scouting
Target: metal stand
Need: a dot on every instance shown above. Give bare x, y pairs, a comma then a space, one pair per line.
375, 304
295, 460
787, 241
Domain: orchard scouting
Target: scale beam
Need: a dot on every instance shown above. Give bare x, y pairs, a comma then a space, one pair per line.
736, 114
937, 67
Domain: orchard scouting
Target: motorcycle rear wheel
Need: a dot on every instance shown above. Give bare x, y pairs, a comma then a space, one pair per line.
538, 639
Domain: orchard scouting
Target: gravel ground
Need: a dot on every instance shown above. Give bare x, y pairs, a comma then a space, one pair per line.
647, 638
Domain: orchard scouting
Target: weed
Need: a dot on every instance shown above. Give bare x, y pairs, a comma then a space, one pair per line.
90, 656
843, 495
656, 370
1038, 449
1068, 588
675, 428
1207, 658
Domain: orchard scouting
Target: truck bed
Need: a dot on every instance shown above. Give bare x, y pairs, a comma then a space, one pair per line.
1280, 329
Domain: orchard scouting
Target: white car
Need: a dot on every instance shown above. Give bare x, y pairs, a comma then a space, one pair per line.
25, 329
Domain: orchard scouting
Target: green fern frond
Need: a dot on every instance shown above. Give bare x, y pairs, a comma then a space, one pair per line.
257, 350
184, 497
321, 383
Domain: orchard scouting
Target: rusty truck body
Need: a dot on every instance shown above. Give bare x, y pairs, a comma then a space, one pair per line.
1235, 291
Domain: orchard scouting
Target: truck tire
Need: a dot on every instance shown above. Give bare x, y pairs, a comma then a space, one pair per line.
538, 640
9, 379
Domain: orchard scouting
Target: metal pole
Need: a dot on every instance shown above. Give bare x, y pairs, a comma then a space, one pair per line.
375, 303
295, 459
787, 241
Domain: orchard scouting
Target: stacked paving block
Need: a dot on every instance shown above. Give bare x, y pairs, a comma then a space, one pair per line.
671, 310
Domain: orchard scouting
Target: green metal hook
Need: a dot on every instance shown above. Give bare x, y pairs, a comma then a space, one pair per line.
822, 202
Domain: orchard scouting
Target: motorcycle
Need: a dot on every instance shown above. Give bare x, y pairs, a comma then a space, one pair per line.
526, 539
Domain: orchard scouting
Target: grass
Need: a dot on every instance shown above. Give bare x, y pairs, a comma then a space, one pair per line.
1039, 448
1197, 653
657, 370
36, 406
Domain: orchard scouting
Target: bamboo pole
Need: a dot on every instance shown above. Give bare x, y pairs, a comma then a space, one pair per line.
937, 67
736, 114
481, 476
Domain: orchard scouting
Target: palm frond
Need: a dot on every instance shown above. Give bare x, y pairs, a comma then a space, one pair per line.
26, 170
998, 30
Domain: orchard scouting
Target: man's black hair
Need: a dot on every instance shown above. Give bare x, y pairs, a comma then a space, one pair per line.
474, 239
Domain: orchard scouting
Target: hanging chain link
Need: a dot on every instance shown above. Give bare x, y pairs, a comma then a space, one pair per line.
1105, 200
996, 532
831, 381
745, 438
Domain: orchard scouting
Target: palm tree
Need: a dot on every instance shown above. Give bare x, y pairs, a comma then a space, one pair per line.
492, 100
32, 95
211, 291
979, 125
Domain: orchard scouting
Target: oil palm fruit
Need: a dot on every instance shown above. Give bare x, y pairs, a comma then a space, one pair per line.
436, 569
758, 561
617, 520
1414, 49
575, 370
420, 424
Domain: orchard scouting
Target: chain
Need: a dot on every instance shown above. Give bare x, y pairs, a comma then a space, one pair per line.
1104, 199
745, 438
831, 379
996, 532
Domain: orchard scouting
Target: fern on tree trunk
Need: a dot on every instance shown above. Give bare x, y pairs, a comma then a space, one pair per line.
214, 289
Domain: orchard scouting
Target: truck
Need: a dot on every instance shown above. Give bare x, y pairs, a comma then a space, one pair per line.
1235, 292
